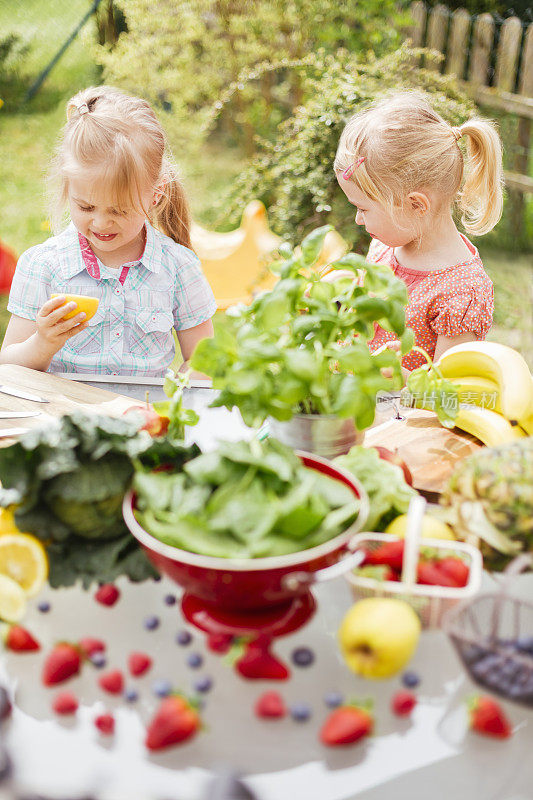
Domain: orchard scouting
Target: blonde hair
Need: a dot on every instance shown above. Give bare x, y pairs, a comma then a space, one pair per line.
407, 146
120, 136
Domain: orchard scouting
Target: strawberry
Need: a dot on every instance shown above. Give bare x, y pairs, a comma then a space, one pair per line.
388, 553
19, 639
487, 717
175, 721
428, 573
455, 568
403, 703
270, 705
107, 594
89, 646
65, 703
346, 725
63, 661
112, 682
105, 723
258, 663
139, 663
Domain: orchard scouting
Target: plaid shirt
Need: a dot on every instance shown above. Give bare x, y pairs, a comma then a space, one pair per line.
131, 332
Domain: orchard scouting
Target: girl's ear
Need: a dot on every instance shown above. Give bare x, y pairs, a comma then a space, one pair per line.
419, 203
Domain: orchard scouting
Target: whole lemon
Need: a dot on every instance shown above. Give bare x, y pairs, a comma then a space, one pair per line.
378, 636
432, 528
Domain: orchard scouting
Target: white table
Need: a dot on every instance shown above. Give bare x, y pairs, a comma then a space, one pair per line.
431, 755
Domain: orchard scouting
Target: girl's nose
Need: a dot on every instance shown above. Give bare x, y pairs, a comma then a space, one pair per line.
101, 220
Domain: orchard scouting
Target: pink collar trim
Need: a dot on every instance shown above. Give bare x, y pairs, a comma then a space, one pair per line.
91, 262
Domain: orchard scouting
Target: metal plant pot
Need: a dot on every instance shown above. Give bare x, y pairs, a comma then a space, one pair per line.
322, 434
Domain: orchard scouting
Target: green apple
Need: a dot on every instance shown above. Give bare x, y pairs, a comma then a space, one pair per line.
378, 636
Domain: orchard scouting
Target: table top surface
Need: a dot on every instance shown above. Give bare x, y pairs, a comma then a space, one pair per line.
430, 755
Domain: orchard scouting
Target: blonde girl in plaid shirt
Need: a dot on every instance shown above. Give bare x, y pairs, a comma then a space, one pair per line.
128, 244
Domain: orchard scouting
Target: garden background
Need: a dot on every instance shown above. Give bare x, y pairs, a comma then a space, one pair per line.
252, 95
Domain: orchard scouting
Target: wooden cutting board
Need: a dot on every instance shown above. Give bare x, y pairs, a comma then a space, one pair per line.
429, 450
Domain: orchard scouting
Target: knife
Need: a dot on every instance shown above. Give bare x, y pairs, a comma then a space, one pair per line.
18, 414
8, 432
22, 395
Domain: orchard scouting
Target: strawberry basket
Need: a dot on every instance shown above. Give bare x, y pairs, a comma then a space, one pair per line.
493, 635
430, 602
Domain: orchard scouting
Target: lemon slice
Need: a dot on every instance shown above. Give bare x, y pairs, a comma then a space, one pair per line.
12, 600
24, 560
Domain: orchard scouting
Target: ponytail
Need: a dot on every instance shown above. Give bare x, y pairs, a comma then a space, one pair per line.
481, 198
171, 215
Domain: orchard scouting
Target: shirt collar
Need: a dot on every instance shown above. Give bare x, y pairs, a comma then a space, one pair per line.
71, 260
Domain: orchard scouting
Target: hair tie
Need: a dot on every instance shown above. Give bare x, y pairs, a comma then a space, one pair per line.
82, 109
457, 132
347, 174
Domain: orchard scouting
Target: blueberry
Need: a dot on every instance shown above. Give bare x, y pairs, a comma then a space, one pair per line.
170, 599
303, 656
195, 660
300, 712
333, 699
473, 653
203, 684
151, 623
157, 578
525, 644
44, 606
131, 695
410, 679
183, 638
99, 660
161, 688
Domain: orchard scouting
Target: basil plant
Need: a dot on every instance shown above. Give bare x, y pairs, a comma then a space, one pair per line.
303, 346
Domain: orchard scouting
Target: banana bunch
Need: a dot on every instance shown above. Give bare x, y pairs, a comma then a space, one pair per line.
495, 390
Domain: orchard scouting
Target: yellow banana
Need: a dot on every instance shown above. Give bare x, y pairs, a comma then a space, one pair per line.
478, 391
487, 426
498, 363
526, 422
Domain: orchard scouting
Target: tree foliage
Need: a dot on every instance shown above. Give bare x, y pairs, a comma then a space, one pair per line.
183, 55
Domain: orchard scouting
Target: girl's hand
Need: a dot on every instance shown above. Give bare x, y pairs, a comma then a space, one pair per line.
52, 330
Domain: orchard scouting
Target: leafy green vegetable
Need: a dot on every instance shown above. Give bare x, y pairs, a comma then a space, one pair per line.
244, 500
302, 347
178, 415
68, 480
388, 493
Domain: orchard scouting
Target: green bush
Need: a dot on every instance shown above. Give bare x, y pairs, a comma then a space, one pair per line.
294, 174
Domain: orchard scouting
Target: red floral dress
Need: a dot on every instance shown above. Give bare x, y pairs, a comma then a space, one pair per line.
447, 302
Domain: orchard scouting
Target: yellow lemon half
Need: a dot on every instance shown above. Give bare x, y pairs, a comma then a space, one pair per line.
12, 600
84, 303
24, 560
432, 528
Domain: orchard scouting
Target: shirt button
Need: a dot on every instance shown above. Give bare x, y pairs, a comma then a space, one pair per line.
117, 290
117, 334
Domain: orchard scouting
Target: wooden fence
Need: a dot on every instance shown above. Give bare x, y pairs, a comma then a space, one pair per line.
496, 67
